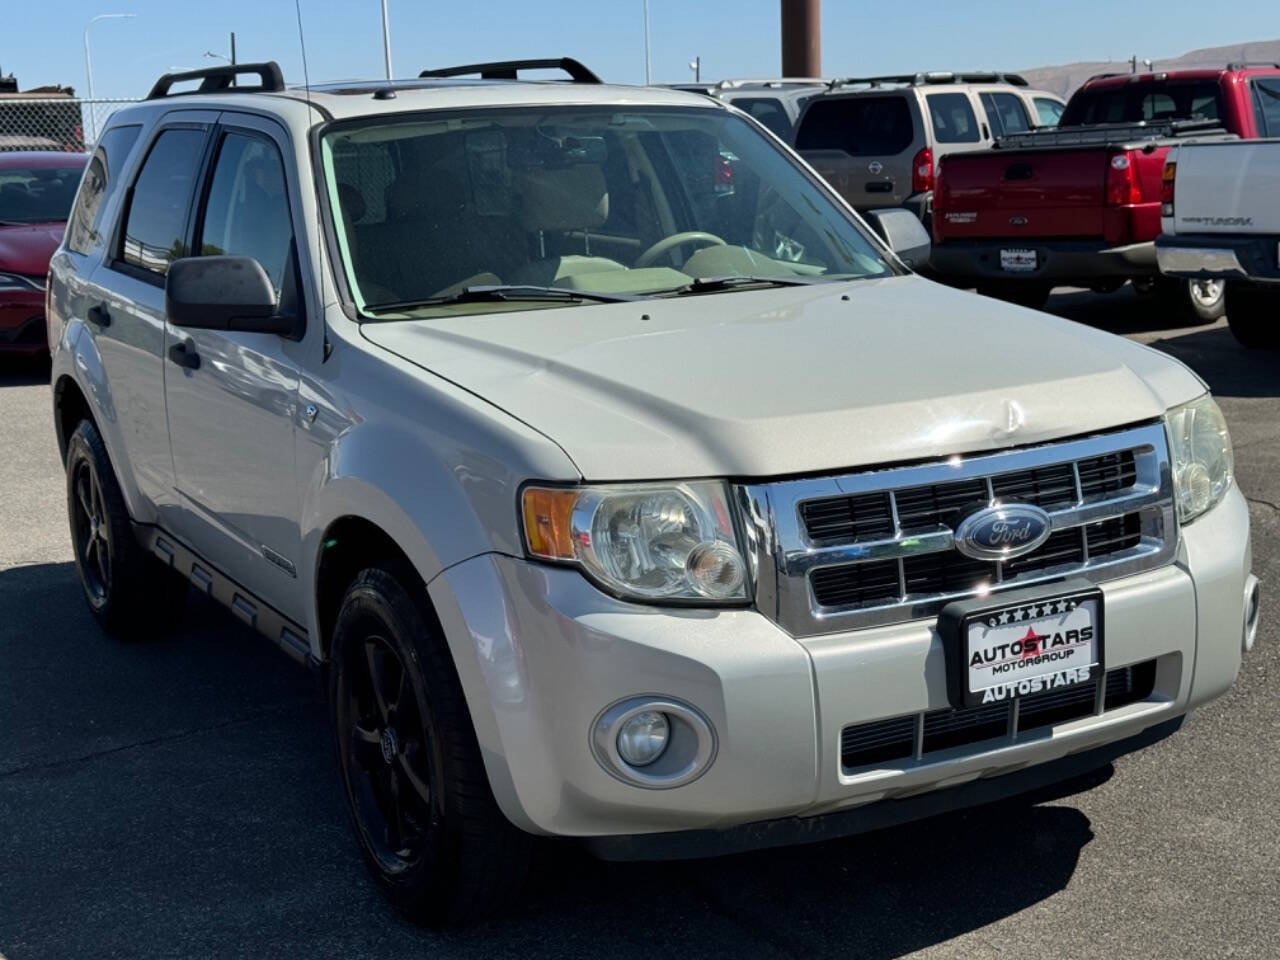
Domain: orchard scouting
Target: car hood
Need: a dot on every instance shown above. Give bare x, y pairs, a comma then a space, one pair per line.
785, 381
27, 248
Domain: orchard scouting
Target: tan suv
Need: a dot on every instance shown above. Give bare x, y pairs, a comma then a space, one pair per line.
879, 140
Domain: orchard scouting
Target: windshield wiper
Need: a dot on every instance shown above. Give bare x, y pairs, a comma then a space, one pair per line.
713, 284
499, 293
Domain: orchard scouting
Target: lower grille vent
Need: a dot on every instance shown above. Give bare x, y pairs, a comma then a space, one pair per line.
883, 741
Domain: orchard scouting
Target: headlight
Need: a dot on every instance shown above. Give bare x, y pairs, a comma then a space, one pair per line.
647, 542
1200, 448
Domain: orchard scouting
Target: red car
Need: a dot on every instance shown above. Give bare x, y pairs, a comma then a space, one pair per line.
36, 191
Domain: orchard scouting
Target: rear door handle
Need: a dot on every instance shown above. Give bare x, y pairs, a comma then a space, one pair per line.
183, 353
98, 316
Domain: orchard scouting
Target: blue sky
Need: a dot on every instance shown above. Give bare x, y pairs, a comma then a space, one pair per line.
733, 38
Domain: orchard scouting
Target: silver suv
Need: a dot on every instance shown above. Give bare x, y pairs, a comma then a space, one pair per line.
614, 506
775, 103
879, 140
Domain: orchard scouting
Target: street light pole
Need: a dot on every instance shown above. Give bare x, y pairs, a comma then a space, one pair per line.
648, 77
386, 38
88, 62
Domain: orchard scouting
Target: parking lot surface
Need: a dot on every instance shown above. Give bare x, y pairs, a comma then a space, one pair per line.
179, 798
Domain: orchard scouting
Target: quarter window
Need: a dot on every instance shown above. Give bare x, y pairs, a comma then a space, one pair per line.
1049, 111
953, 119
769, 112
247, 213
1005, 113
155, 233
86, 216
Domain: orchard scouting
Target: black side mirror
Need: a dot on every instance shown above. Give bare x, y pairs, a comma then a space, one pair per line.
904, 233
223, 293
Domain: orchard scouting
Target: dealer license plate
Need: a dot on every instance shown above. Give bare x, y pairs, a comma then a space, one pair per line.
1030, 647
1018, 261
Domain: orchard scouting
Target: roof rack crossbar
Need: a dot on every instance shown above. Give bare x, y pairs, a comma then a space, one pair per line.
510, 69
222, 78
1243, 64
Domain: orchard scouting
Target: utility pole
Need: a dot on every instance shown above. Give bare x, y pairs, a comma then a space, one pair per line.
802, 38
88, 62
648, 73
386, 38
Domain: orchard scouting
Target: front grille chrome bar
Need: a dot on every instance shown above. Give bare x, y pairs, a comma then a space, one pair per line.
784, 555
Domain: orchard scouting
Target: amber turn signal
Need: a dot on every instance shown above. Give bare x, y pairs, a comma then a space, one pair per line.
547, 513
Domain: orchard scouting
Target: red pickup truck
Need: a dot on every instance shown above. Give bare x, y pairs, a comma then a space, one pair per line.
1079, 204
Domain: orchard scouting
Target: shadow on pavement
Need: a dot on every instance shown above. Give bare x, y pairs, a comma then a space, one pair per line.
178, 798
19, 371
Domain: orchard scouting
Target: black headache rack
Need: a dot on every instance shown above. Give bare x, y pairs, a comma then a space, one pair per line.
222, 79
932, 77
1111, 134
510, 69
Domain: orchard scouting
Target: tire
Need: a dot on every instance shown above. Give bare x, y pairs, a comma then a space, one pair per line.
1193, 302
424, 816
1254, 317
1024, 293
130, 593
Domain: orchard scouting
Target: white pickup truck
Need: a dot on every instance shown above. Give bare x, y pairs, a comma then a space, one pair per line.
1220, 216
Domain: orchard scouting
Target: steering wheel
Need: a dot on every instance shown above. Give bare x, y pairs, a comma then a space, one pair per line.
667, 244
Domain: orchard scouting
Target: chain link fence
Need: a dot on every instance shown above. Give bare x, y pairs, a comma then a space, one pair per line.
53, 122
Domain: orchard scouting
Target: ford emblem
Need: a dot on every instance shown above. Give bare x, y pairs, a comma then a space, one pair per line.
1002, 532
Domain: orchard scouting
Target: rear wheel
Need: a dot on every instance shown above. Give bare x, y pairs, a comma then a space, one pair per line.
1254, 317
1026, 294
427, 822
127, 589
1193, 301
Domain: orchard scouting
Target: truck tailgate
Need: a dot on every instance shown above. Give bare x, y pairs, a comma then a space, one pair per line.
1011, 193
1229, 187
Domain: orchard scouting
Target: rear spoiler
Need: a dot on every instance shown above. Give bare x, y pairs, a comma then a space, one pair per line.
1109, 134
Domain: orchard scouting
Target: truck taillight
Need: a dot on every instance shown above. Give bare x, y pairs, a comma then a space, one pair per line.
1166, 188
922, 171
1122, 182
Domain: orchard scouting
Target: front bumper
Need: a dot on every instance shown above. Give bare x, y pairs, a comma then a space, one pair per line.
1060, 262
541, 653
1219, 256
22, 325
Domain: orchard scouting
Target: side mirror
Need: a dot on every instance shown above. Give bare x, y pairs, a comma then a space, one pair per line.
904, 233
223, 293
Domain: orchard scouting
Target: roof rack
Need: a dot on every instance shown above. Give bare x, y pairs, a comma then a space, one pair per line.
933, 76
1244, 64
222, 78
510, 70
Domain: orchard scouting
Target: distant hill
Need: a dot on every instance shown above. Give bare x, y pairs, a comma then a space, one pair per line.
1064, 79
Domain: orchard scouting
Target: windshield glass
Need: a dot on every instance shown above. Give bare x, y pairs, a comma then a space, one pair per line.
37, 195
637, 201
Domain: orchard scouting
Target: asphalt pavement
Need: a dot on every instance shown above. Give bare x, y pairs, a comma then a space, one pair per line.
179, 798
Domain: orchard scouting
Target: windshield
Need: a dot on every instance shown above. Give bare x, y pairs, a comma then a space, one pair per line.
635, 201
37, 195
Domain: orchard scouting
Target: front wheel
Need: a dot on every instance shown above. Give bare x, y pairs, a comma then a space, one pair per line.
1254, 317
424, 815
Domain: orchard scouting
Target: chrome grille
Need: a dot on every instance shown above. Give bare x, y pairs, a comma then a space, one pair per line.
836, 553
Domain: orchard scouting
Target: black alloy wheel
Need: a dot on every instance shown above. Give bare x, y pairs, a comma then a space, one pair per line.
91, 532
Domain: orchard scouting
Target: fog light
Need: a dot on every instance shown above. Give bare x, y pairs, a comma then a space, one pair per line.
643, 737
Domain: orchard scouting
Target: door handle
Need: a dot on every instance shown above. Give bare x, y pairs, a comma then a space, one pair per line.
183, 353
98, 316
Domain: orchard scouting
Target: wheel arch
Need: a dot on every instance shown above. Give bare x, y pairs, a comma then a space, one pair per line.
70, 406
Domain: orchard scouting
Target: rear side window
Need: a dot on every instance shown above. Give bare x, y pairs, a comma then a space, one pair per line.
860, 126
1049, 111
953, 119
1266, 105
1005, 113
83, 228
155, 232
1174, 100
768, 111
